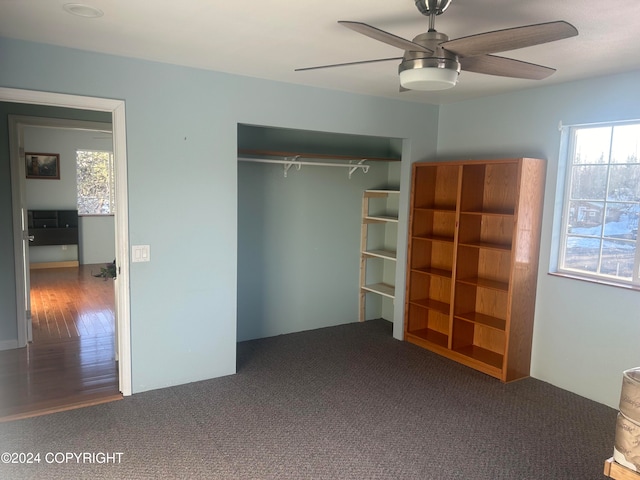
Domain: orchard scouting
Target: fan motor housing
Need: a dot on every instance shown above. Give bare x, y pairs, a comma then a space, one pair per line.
440, 58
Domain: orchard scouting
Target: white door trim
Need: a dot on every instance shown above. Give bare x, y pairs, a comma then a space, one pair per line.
117, 110
19, 229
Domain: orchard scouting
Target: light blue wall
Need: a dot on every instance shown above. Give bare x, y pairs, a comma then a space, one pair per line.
585, 335
182, 172
97, 239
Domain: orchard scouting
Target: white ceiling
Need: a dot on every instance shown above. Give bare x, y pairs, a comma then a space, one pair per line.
270, 38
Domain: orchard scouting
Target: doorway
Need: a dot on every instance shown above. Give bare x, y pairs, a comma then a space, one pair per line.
121, 292
71, 361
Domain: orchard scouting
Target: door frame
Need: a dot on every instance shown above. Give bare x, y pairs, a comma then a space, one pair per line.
117, 110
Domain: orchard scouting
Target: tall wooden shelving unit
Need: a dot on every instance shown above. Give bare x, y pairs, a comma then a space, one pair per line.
378, 249
473, 261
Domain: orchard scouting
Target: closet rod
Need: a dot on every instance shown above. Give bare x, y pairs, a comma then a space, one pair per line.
288, 163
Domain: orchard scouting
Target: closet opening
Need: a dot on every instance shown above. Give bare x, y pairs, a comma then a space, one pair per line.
301, 229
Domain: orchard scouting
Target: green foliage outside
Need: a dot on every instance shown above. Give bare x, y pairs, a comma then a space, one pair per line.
95, 182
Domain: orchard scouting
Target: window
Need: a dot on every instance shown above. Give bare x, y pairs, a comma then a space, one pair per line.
599, 238
95, 182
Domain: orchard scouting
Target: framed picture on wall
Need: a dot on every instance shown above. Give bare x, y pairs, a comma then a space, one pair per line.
42, 165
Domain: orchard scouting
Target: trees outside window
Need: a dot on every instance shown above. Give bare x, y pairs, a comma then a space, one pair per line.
602, 204
95, 182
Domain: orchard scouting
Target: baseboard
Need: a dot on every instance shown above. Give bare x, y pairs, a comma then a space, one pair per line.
71, 263
8, 344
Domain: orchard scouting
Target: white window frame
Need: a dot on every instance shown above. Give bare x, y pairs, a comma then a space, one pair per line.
112, 187
568, 156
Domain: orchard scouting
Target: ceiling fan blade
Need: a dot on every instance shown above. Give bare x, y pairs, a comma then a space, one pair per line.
505, 67
510, 39
385, 37
347, 64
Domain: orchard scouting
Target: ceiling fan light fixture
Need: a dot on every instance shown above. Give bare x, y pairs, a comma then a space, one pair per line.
428, 79
428, 74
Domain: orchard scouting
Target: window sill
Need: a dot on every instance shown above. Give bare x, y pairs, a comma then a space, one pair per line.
598, 281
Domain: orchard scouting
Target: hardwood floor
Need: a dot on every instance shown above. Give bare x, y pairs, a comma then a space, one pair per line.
71, 361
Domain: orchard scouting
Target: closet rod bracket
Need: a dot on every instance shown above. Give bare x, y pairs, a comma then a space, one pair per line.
365, 168
291, 162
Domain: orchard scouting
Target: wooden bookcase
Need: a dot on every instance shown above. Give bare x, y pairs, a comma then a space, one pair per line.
474, 234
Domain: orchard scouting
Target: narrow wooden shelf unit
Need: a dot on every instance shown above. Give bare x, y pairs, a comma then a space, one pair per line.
377, 245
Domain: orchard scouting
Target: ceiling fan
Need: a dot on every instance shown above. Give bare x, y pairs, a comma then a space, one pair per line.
433, 62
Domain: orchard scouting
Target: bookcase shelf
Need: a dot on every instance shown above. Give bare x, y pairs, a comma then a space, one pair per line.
384, 254
380, 219
472, 261
426, 336
383, 289
434, 271
482, 319
430, 304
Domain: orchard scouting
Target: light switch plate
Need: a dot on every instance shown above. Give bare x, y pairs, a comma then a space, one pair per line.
140, 253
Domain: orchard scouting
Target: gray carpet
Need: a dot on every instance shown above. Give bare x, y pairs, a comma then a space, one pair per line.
346, 402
